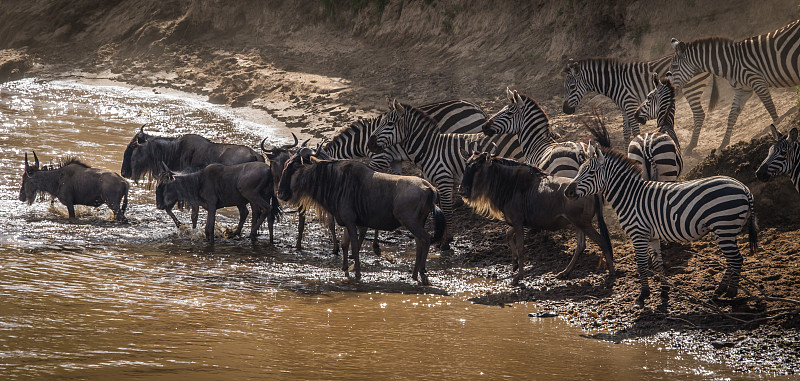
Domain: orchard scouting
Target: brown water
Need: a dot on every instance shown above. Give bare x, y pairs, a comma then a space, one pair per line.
96, 299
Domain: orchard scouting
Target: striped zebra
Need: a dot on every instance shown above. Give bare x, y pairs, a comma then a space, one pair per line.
783, 157
627, 84
523, 116
437, 154
659, 153
751, 65
452, 116
677, 212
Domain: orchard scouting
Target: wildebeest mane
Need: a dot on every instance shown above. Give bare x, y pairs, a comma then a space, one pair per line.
325, 184
186, 185
69, 160
532, 169
157, 150
499, 185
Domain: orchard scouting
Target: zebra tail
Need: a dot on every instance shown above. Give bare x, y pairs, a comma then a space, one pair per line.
439, 221
752, 232
714, 98
601, 223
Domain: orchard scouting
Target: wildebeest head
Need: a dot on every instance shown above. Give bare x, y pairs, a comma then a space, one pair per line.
140, 138
27, 191
166, 193
475, 164
288, 179
780, 158
278, 157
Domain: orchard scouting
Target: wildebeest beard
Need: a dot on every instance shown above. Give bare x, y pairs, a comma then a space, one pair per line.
184, 188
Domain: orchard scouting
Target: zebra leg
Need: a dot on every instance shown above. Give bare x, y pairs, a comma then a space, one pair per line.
740, 97
641, 247
446, 192
733, 265
654, 249
630, 127
693, 91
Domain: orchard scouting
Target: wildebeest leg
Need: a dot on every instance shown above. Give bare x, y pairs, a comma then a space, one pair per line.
512, 246
210, 221
580, 237
174, 219
519, 238
608, 258
301, 225
71, 211
332, 228
255, 222
345, 248
195, 212
423, 241
243, 212
352, 232
375, 246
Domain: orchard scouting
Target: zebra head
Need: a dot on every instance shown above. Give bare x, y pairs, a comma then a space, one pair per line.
780, 158
590, 178
509, 120
683, 66
391, 130
575, 85
658, 101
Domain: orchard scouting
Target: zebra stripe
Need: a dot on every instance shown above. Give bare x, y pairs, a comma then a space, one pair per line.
627, 84
452, 116
659, 153
437, 154
524, 118
751, 65
678, 212
783, 157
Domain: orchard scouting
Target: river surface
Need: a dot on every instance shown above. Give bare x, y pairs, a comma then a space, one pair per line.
96, 299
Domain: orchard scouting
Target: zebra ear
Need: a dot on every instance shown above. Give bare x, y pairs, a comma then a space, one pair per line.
510, 95
670, 79
600, 156
678, 46
464, 154
517, 98
590, 151
654, 76
399, 109
793, 135
775, 134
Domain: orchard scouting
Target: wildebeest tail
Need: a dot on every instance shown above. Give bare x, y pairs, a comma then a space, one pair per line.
439, 222
276, 211
601, 223
124, 206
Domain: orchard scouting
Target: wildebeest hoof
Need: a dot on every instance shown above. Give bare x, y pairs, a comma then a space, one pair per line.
562, 275
445, 246
377, 250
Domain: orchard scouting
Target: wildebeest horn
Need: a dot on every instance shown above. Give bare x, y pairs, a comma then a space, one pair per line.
141, 129
26, 162
166, 169
465, 154
35, 160
287, 146
305, 142
494, 153
262, 146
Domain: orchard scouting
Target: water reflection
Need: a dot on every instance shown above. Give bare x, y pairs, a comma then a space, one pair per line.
96, 299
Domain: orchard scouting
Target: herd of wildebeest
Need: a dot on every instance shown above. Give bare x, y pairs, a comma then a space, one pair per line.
509, 166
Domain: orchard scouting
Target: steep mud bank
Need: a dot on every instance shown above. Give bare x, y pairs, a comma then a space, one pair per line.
316, 67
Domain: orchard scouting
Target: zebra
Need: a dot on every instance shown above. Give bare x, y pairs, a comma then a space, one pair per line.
650, 211
451, 116
627, 84
659, 153
783, 157
753, 64
523, 117
437, 154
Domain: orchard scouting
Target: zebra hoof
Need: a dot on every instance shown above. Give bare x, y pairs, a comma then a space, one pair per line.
640, 301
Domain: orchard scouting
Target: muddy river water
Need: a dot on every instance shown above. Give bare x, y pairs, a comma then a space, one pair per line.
96, 299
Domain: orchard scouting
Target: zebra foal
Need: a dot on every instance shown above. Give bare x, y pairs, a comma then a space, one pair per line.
677, 212
783, 157
659, 152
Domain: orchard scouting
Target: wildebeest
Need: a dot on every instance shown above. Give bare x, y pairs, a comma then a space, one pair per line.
523, 196
219, 186
75, 183
356, 196
145, 153
277, 159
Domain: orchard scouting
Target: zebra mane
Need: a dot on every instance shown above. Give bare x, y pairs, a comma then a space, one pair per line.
597, 127
342, 133
418, 112
584, 61
622, 158
709, 40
